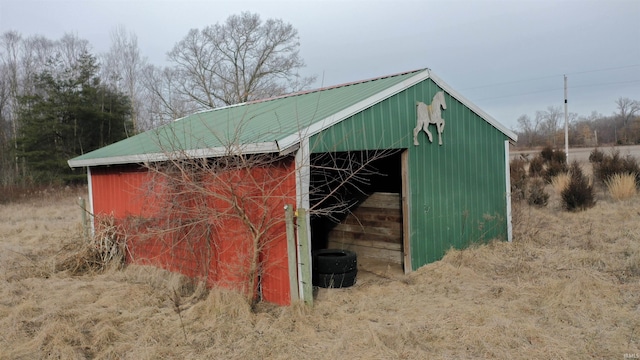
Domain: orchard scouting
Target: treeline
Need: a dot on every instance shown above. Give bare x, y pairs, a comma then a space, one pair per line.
58, 99
547, 127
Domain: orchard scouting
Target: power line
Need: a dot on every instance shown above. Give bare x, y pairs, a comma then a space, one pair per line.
604, 69
559, 88
551, 76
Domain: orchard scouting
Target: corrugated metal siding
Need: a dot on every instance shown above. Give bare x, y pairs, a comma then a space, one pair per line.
122, 192
457, 190
116, 190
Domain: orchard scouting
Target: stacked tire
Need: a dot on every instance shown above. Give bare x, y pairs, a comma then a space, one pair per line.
334, 268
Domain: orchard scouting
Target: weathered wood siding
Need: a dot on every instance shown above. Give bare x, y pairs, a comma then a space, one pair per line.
373, 229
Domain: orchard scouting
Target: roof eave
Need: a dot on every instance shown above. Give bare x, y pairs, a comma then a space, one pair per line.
256, 148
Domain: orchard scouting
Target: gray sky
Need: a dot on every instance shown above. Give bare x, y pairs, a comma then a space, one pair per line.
507, 57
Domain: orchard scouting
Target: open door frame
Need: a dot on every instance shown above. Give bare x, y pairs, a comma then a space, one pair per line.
406, 206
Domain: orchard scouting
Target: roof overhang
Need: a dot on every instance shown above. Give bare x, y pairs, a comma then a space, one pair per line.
257, 148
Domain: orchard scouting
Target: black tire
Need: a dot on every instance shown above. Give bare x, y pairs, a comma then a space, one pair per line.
334, 261
336, 280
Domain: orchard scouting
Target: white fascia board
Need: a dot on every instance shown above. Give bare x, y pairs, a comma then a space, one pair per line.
508, 190
256, 148
488, 118
329, 121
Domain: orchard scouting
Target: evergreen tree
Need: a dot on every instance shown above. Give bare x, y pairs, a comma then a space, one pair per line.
71, 113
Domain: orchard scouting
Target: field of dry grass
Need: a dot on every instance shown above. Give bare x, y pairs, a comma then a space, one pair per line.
566, 288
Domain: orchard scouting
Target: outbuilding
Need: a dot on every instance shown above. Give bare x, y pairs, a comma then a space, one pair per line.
399, 168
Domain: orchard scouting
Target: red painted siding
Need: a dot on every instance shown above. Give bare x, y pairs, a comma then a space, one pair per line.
203, 235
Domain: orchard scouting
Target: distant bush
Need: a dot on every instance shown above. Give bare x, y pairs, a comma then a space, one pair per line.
559, 156
621, 186
579, 194
537, 195
554, 168
536, 166
596, 156
630, 165
612, 164
548, 163
547, 153
518, 177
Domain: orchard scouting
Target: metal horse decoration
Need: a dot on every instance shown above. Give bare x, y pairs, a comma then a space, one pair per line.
430, 114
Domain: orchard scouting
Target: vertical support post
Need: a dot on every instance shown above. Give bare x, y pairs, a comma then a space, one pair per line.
292, 254
305, 257
83, 213
406, 212
566, 121
507, 166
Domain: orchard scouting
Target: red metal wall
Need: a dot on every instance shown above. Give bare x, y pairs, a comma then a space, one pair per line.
206, 239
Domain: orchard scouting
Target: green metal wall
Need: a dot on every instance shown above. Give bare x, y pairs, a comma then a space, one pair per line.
456, 190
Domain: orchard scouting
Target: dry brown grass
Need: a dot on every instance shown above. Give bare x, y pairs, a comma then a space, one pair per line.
566, 288
560, 182
621, 186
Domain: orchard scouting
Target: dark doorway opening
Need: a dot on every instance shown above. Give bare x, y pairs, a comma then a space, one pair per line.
356, 203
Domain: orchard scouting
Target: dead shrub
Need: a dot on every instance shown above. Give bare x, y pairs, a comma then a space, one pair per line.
613, 164
596, 156
518, 177
537, 196
547, 153
621, 186
536, 166
555, 168
106, 249
579, 194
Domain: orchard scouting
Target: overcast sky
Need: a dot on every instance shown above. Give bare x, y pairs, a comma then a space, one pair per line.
507, 57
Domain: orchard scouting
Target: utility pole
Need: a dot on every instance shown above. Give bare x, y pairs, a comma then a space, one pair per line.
566, 121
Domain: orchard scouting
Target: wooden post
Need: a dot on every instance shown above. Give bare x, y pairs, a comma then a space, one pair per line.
83, 211
305, 257
291, 253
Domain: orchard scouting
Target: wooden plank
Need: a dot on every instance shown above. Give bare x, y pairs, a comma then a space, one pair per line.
382, 201
337, 234
392, 233
375, 222
368, 243
393, 256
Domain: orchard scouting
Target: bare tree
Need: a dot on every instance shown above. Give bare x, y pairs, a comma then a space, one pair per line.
123, 67
10, 56
627, 109
163, 102
550, 120
529, 129
241, 60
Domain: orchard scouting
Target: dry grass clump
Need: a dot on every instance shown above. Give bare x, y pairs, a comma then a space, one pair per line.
565, 288
621, 186
560, 182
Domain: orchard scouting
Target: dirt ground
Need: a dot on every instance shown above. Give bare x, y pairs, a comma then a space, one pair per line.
566, 288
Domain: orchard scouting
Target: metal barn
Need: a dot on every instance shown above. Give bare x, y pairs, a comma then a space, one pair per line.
441, 179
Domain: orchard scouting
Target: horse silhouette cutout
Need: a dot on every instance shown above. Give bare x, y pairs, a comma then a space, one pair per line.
430, 114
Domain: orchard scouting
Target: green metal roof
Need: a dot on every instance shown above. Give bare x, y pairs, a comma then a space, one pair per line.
271, 125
